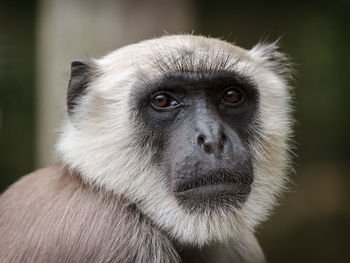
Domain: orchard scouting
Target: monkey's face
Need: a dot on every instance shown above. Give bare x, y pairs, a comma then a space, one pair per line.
203, 124
192, 130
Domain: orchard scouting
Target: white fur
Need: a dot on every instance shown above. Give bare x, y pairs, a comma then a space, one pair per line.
99, 145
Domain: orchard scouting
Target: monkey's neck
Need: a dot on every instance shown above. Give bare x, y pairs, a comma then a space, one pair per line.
244, 250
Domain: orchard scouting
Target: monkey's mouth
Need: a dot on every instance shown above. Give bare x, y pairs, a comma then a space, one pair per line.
204, 191
226, 190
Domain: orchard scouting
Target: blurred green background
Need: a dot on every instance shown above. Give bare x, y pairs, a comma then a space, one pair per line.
312, 223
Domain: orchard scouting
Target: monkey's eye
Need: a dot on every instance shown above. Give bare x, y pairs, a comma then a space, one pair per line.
233, 96
163, 100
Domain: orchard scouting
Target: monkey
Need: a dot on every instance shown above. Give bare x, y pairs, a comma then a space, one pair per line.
174, 149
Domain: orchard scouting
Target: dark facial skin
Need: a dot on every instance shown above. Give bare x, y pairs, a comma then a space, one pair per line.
200, 124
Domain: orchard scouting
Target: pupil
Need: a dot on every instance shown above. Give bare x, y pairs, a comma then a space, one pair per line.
161, 100
232, 96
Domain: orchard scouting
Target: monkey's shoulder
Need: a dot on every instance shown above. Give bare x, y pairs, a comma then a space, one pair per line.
52, 216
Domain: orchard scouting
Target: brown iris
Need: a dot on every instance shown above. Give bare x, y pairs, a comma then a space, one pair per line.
233, 96
163, 101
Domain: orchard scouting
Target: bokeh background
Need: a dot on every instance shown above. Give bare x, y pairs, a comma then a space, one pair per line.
38, 39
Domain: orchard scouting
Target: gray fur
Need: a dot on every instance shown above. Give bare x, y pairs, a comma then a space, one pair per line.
51, 216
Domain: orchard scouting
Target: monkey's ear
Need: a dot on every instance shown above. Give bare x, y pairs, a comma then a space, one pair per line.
269, 55
79, 79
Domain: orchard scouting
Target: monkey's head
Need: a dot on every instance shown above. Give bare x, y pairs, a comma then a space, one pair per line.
193, 130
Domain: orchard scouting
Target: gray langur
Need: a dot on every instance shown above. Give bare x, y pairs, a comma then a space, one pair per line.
174, 150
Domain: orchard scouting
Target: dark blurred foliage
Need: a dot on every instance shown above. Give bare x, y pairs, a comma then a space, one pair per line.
17, 96
313, 222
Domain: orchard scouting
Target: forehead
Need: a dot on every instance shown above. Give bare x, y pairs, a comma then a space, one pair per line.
186, 53
194, 56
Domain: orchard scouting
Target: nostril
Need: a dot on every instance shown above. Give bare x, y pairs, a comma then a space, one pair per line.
200, 139
223, 137
207, 148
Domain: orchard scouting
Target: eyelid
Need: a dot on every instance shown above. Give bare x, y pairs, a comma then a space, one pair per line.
227, 88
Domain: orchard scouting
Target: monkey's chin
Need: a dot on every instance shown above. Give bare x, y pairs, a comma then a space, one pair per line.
228, 196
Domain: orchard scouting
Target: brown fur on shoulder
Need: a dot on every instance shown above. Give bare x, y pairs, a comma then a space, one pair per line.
51, 216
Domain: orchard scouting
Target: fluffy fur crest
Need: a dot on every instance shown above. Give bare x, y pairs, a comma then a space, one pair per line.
102, 147
270, 55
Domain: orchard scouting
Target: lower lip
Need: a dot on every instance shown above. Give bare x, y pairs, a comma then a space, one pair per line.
212, 190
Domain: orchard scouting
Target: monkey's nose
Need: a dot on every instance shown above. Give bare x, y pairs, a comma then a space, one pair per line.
212, 144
